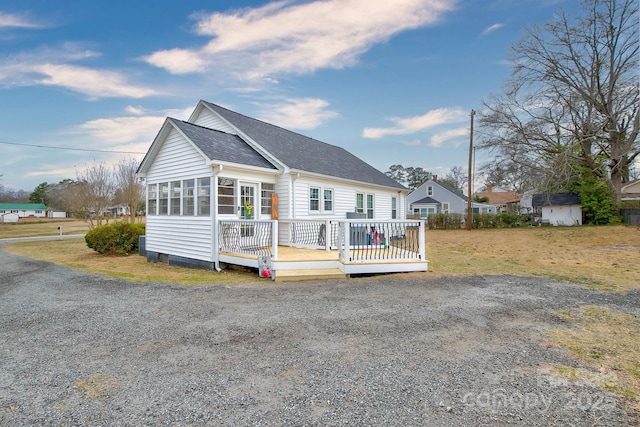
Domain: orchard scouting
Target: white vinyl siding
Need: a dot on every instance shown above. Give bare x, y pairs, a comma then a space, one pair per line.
184, 236
187, 235
208, 119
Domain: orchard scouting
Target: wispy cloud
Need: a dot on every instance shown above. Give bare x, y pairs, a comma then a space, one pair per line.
298, 113
410, 125
12, 20
51, 67
492, 28
296, 38
453, 134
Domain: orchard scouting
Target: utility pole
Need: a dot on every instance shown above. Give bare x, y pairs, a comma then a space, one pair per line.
470, 176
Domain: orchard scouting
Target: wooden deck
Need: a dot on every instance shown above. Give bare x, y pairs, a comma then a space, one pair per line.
305, 264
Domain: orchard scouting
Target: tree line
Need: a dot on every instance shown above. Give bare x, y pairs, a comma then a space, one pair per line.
95, 188
568, 116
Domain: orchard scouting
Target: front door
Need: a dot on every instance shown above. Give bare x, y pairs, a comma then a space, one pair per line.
248, 208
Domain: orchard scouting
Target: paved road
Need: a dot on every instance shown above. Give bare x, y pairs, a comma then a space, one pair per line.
79, 349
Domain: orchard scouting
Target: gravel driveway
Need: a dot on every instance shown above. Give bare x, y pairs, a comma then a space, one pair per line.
79, 349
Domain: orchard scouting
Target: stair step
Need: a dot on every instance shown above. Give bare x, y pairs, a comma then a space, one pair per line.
309, 274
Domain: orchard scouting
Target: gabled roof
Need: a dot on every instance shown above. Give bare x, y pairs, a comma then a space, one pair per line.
222, 146
556, 199
301, 153
500, 197
23, 206
426, 201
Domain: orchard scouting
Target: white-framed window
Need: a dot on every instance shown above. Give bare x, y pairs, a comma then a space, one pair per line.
360, 202
429, 190
328, 200
152, 199
445, 207
163, 199
370, 206
226, 196
314, 199
175, 189
266, 191
188, 197
204, 196
394, 208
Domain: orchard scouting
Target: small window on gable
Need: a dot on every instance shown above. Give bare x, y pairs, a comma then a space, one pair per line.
429, 191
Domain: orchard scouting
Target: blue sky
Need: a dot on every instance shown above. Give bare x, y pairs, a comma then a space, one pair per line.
390, 81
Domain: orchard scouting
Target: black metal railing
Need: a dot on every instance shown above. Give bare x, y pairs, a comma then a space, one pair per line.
365, 240
246, 237
310, 233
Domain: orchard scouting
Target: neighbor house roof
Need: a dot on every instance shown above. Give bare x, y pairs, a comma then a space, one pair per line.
302, 153
23, 207
556, 199
222, 146
426, 201
500, 197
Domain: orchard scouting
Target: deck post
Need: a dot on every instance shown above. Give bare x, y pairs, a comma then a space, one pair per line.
421, 241
274, 239
327, 235
347, 241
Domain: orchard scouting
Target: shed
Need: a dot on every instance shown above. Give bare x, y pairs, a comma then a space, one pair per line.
559, 208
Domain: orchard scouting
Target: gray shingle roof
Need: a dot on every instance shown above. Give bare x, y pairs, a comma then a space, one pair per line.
302, 153
426, 200
557, 199
222, 146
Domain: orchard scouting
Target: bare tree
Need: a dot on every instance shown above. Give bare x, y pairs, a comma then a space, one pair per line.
130, 191
571, 105
456, 178
94, 191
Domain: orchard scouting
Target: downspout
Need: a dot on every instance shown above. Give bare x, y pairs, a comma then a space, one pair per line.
215, 255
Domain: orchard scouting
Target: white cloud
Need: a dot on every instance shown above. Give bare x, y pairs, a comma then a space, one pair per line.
415, 124
492, 28
123, 129
49, 67
437, 139
298, 113
95, 83
10, 20
297, 38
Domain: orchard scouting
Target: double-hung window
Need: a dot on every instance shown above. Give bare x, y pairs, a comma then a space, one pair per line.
314, 199
328, 200
175, 197
204, 196
187, 197
152, 199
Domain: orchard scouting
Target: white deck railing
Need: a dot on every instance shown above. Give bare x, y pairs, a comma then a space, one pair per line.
355, 239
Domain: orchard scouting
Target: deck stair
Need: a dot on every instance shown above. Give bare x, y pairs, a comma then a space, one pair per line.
309, 274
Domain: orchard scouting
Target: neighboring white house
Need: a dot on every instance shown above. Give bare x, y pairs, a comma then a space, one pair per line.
434, 197
24, 210
631, 190
206, 175
559, 208
116, 210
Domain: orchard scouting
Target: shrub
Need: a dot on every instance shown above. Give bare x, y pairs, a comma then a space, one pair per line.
120, 238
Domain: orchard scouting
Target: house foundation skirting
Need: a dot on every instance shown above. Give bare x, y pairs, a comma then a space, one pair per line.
180, 261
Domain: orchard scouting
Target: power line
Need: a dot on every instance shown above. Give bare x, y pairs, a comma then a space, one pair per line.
70, 148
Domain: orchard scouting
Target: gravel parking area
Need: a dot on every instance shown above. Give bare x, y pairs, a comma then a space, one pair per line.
404, 350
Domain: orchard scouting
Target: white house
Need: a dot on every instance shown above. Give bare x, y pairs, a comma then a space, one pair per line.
218, 181
559, 208
631, 190
434, 197
24, 210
